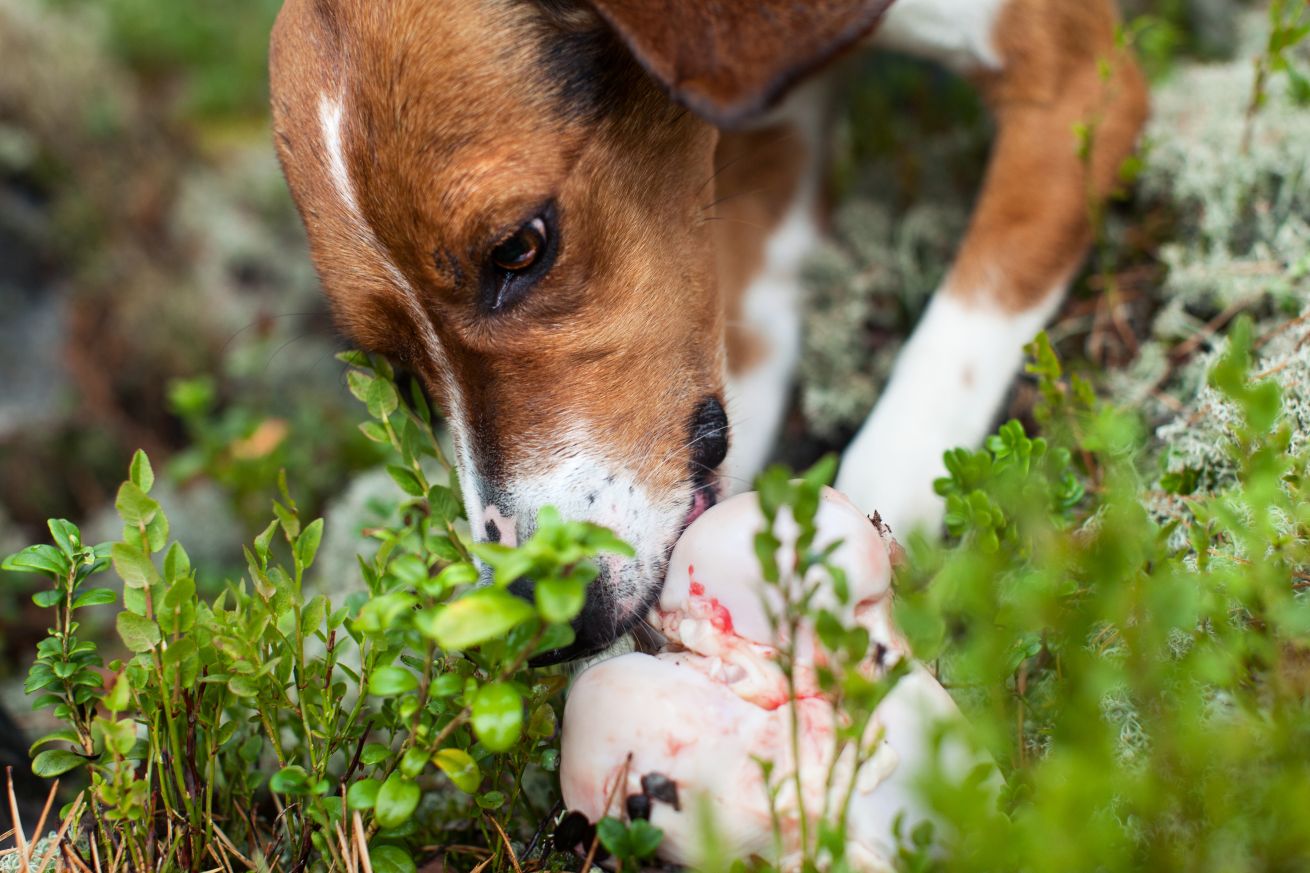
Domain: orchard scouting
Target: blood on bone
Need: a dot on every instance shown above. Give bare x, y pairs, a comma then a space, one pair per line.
673, 745
720, 617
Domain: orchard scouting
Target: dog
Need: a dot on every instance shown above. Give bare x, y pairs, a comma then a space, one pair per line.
514, 199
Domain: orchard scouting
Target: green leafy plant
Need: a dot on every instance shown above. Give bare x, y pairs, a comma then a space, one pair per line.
1142, 686
628, 843
277, 723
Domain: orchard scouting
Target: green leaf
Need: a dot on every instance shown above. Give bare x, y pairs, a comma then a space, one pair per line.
559, 600
48, 598
391, 681
384, 611
177, 562
288, 519
443, 503
120, 694
452, 576
602, 539
498, 716
64, 735
54, 762
135, 567
613, 836
390, 859
507, 564
353, 357
243, 686
375, 432
363, 794
822, 472
359, 383
120, 736
407, 479
396, 801
37, 559
374, 753
139, 633
94, 597
182, 658
491, 800
643, 839
141, 473
413, 762
134, 507
460, 767
265, 539
313, 615
290, 780
66, 535
308, 541
542, 724
480, 615
381, 399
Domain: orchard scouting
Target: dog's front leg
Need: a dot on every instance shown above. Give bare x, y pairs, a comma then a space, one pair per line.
1044, 68
765, 215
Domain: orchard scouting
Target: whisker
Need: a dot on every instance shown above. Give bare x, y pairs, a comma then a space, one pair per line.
726, 197
256, 322
758, 227
790, 132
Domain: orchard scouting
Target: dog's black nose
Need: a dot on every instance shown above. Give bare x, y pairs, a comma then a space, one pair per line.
595, 628
709, 434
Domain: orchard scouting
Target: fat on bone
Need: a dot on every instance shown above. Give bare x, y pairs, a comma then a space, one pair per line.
705, 713
718, 552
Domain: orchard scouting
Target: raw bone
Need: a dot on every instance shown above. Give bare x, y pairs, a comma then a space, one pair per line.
704, 712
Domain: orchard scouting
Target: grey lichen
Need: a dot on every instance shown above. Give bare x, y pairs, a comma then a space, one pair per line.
1239, 186
868, 284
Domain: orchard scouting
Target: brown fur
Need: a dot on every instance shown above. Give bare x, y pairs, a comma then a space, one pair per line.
452, 143
730, 59
758, 177
1032, 223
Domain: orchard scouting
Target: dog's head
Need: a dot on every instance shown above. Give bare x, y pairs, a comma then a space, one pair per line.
502, 196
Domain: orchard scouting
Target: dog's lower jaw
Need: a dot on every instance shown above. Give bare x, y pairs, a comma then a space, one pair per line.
628, 618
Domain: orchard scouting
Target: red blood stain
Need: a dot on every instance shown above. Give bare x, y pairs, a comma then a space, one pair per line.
720, 618
775, 702
673, 745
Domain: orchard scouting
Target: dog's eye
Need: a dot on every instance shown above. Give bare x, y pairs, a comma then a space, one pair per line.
523, 248
517, 262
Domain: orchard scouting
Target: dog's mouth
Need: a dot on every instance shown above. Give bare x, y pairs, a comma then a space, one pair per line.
704, 494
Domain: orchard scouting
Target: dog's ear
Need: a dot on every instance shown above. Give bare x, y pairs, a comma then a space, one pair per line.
727, 60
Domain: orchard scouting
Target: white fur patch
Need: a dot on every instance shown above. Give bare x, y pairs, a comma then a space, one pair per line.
585, 485
956, 33
758, 397
944, 392
329, 117
330, 114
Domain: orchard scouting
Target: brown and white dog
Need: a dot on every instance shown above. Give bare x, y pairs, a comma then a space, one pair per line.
517, 200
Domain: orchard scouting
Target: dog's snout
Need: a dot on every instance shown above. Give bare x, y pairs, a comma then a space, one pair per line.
709, 434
